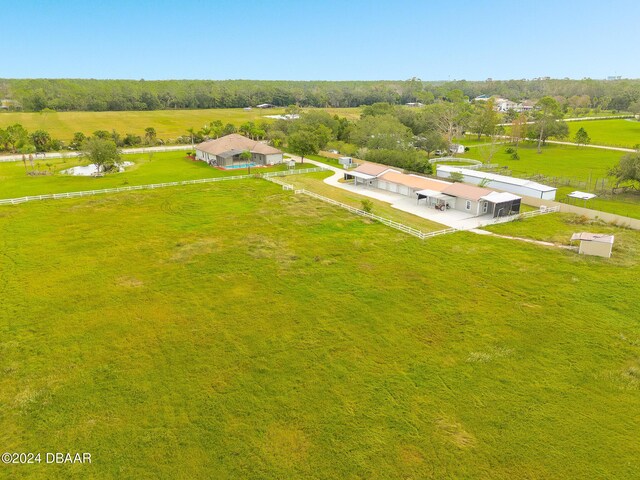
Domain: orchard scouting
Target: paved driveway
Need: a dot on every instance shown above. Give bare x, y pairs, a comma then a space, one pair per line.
449, 218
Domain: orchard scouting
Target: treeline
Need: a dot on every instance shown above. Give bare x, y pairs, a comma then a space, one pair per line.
119, 95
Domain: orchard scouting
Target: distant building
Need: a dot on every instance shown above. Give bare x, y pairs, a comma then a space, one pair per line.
414, 104
265, 105
617, 77
504, 104
519, 186
225, 151
456, 148
8, 104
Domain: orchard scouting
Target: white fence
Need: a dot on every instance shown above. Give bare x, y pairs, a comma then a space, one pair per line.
284, 185
385, 221
535, 213
74, 154
520, 216
56, 196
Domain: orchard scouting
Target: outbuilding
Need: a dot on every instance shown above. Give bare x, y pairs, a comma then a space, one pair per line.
519, 186
469, 198
598, 244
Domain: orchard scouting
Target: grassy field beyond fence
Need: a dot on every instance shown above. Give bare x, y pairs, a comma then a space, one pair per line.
169, 124
238, 329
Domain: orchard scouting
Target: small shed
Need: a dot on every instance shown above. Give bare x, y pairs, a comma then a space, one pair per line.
346, 162
598, 244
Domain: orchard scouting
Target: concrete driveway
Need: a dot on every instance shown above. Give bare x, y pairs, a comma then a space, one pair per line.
450, 218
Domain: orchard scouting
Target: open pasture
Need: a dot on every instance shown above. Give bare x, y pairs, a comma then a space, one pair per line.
615, 132
238, 331
169, 124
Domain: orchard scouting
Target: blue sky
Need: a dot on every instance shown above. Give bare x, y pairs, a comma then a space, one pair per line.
319, 40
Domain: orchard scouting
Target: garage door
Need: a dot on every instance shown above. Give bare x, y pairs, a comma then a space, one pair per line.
383, 185
393, 187
403, 190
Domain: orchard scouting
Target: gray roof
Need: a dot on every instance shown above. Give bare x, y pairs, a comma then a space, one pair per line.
231, 153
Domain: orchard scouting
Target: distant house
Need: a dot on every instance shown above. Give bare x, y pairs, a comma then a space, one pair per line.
225, 151
598, 244
265, 105
8, 104
456, 148
414, 104
504, 104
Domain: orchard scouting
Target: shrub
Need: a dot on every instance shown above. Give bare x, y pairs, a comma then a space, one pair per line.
367, 205
515, 156
406, 159
509, 150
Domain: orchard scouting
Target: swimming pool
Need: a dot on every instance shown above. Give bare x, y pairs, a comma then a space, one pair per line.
240, 165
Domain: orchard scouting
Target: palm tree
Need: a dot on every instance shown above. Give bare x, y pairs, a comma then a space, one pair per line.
246, 156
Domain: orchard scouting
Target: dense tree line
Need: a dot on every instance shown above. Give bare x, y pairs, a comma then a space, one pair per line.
118, 95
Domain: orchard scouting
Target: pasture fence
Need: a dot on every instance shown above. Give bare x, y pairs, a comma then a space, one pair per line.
85, 193
385, 221
521, 216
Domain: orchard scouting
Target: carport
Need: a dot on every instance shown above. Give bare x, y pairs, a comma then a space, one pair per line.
360, 178
435, 199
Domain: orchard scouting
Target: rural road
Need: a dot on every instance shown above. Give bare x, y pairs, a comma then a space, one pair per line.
558, 142
577, 119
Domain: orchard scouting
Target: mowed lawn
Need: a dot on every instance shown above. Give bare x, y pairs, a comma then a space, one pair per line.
147, 169
169, 124
554, 161
237, 331
616, 132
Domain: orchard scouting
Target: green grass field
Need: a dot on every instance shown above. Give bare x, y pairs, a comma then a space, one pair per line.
314, 183
169, 124
148, 168
615, 132
558, 228
237, 331
568, 162
554, 161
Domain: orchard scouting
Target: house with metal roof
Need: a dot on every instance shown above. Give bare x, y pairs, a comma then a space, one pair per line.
225, 151
367, 173
438, 194
519, 186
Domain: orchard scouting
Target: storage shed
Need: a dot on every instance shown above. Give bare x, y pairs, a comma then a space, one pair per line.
598, 244
519, 186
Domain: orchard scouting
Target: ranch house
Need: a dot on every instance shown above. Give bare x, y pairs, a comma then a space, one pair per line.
225, 151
